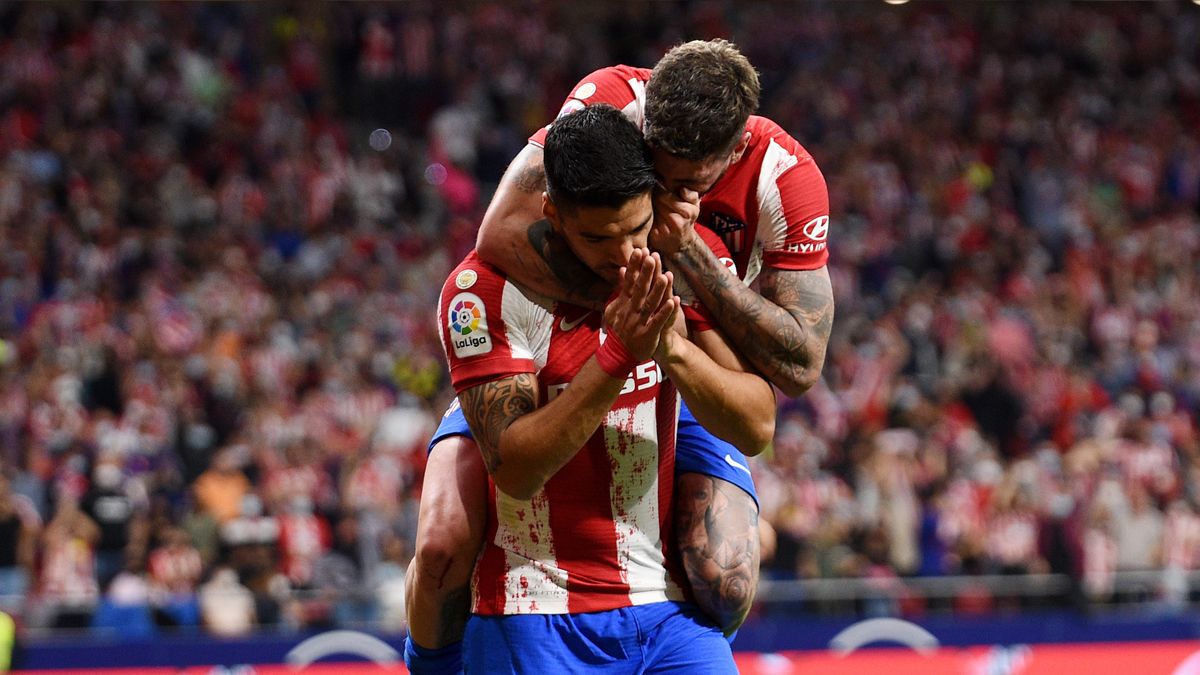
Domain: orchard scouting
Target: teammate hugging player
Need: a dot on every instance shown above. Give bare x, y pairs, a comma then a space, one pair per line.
719, 166
576, 423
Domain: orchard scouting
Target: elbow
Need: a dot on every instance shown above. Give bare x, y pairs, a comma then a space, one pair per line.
797, 380
519, 487
756, 431
758, 436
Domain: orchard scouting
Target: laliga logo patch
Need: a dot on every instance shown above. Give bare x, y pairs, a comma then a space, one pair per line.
468, 325
817, 228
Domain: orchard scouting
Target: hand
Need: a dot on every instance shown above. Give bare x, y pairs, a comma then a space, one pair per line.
675, 215
644, 306
674, 333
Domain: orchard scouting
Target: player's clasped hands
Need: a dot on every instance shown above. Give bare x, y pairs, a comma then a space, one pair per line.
644, 306
675, 215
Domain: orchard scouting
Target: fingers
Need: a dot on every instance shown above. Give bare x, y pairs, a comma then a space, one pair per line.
664, 316
636, 281
660, 289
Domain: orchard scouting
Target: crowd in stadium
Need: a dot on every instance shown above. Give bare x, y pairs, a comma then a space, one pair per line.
218, 361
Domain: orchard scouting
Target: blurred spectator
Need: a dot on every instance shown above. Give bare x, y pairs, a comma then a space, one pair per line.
222, 489
124, 609
68, 588
226, 606
175, 570
19, 526
122, 521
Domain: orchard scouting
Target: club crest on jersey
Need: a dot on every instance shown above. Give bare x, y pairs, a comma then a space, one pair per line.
467, 320
731, 230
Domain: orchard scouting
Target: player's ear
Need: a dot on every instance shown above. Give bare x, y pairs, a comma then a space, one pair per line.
740, 148
550, 212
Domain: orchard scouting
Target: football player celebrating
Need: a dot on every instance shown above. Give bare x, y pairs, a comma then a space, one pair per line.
574, 412
722, 167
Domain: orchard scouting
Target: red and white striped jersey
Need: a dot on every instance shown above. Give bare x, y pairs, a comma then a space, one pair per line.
771, 207
593, 538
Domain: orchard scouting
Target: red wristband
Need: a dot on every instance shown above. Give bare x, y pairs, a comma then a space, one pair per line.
614, 358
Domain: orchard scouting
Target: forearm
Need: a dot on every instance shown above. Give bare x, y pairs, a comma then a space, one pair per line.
530, 450
738, 407
787, 349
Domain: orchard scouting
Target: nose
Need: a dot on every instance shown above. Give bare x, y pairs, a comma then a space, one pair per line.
623, 251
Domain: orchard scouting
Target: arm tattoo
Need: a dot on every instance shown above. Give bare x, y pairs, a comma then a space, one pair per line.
783, 332
575, 277
492, 406
531, 178
716, 526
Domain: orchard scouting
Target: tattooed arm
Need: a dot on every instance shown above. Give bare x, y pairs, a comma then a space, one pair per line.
782, 330
716, 523
524, 445
530, 253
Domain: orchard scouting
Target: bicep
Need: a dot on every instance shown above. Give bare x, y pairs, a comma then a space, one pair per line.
805, 294
491, 407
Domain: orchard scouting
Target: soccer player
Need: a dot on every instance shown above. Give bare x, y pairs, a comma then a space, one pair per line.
720, 166
574, 412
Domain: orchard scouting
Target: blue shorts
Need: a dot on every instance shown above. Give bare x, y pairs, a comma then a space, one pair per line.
664, 637
696, 450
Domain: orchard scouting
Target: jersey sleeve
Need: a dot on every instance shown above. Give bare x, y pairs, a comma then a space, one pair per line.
622, 87
697, 315
484, 325
794, 216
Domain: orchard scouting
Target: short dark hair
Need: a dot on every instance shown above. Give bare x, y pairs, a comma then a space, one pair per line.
596, 157
698, 99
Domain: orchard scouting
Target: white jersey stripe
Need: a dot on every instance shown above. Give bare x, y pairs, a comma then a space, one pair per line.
533, 581
772, 225
527, 325
636, 109
631, 437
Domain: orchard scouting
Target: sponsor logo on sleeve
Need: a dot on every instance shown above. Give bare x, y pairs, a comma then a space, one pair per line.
467, 321
817, 229
585, 91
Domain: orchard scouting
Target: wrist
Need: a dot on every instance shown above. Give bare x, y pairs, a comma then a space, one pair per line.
688, 243
668, 352
614, 358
